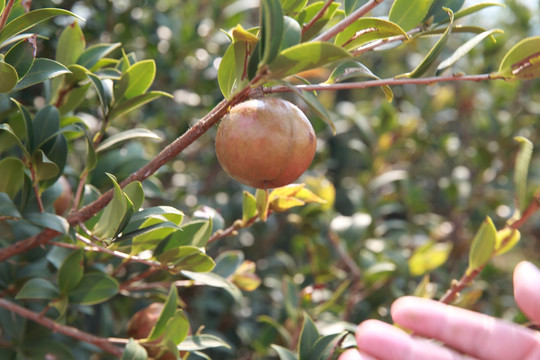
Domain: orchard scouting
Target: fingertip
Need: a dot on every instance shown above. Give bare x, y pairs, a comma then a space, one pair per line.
526, 289
351, 354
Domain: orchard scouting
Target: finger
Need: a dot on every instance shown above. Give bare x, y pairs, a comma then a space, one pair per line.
386, 342
471, 333
353, 354
527, 289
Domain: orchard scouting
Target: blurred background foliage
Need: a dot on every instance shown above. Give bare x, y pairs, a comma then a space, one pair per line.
427, 167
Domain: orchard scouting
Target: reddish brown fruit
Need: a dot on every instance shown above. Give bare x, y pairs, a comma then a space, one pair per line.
63, 202
265, 143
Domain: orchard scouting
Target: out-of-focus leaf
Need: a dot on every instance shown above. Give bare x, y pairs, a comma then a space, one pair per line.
214, 280
290, 7
29, 20
186, 258
309, 12
352, 5
134, 351
21, 56
428, 257
305, 56
71, 44
324, 346
168, 311
365, 30
8, 133
262, 203
271, 30
177, 328
73, 99
482, 246
201, 342
44, 167
94, 288
464, 49
71, 271
12, 170
409, 13
521, 171
470, 10
432, 55
127, 135
7, 207
283, 332
245, 278
135, 102
9, 77
38, 288
49, 221
41, 70
284, 353
439, 14
522, 61
292, 33
506, 240
308, 337
352, 69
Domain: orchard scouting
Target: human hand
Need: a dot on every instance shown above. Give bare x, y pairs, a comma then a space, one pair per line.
464, 333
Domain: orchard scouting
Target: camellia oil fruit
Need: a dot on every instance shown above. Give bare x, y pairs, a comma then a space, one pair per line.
265, 143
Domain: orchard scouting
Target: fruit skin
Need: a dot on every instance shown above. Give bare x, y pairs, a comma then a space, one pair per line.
265, 143
63, 202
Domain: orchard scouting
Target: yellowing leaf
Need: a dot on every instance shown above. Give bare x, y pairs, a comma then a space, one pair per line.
506, 239
428, 257
283, 203
482, 246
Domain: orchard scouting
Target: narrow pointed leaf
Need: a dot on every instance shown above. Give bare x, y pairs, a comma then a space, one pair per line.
202, 342
308, 337
94, 53
365, 30
470, 10
135, 102
271, 30
464, 49
41, 70
249, 206
353, 69
168, 311
482, 246
127, 135
284, 353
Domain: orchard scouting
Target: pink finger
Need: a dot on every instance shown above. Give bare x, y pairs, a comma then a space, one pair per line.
386, 342
472, 333
353, 354
527, 289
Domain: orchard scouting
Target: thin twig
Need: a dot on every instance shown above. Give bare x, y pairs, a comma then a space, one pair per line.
343, 24
70, 331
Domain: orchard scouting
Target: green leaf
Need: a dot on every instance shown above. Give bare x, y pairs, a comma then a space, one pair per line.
291, 7
409, 13
521, 171
9, 137
231, 69
127, 135
91, 158
352, 5
261, 202
365, 30
133, 103
94, 288
168, 311
214, 280
9, 77
430, 58
352, 69
428, 257
134, 191
71, 44
202, 342
110, 222
464, 49
196, 233
284, 353
29, 20
309, 12
21, 56
49, 221
186, 258
41, 70
11, 181
44, 168
7, 207
134, 351
308, 337
177, 328
482, 246
292, 33
278, 326
73, 99
272, 27
103, 90
45, 124
522, 61
164, 213
94, 53
324, 346
468, 11
439, 14
249, 206
71, 271
38, 288
305, 56
137, 79
227, 262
